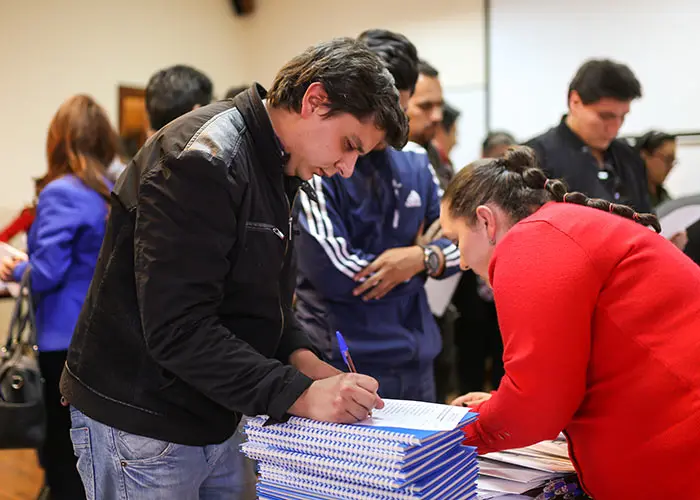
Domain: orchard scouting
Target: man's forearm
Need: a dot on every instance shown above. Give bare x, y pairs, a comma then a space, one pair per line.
310, 365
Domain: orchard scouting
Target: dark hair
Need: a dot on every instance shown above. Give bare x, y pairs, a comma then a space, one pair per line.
355, 80
234, 91
398, 54
449, 116
82, 142
651, 141
517, 184
601, 78
174, 91
425, 69
496, 138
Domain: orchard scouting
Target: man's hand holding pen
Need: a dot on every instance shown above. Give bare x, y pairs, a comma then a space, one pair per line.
345, 398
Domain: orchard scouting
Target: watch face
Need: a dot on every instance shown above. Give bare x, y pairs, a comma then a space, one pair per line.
433, 262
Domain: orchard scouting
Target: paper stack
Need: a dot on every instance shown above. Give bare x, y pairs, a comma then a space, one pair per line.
407, 450
521, 470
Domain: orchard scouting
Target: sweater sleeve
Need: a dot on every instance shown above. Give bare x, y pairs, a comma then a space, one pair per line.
545, 289
19, 224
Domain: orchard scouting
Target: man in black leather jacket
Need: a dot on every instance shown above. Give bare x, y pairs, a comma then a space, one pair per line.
188, 322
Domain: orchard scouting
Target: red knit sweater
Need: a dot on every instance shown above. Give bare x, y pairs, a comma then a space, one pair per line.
20, 224
600, 320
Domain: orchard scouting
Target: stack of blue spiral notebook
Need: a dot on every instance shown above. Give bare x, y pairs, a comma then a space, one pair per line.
407, 450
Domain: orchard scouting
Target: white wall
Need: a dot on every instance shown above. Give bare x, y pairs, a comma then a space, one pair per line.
51, 50
537, 45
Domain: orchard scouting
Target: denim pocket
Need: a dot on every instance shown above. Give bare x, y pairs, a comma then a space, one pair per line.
83, 450
140, 449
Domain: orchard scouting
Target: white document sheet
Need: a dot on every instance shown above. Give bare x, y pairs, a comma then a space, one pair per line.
555, 449
679, 220
538, 463
512, 472
505, 486
440, 293
416, 415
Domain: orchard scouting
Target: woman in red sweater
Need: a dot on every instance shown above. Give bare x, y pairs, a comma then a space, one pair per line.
600, 319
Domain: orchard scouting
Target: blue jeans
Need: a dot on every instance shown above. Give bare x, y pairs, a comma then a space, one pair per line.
117, 465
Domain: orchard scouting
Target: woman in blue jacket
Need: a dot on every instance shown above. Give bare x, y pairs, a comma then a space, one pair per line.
63, 244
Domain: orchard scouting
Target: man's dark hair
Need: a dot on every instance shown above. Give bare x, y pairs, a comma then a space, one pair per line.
425, 69
355, 79
398, 54
449, 116
234, 91
496, 138
174, 91
601, 78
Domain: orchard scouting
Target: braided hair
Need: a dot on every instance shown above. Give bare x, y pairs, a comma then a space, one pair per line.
517, 184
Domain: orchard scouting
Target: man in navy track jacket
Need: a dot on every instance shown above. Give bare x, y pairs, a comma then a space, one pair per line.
363, 258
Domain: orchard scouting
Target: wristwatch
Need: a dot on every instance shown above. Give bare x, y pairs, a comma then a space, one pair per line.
431, 261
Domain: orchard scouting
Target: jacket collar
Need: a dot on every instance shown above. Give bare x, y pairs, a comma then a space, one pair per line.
573, 140
569, 135
267, 145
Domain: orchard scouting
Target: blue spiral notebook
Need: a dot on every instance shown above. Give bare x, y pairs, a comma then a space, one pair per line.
408, 450
455, 480
358, 472
375, 445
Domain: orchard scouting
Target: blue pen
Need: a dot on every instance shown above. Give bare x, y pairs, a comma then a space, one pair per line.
345, 352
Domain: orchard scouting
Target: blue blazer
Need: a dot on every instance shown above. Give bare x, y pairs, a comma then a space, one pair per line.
63, 244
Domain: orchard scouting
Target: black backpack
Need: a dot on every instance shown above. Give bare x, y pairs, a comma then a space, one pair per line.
22, 414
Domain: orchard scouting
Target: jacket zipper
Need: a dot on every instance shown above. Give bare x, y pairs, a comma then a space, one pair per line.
261, 226
286, 246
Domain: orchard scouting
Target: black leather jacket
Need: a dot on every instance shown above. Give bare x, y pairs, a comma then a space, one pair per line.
188, 319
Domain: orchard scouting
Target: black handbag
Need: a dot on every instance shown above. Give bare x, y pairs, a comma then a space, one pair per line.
22, 413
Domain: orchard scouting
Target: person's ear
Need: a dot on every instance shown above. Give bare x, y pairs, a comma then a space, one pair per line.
574, 99
486, 218
315, 98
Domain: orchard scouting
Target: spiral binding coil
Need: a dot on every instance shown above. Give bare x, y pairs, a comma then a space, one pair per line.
305, 482
400, 438
363, 474
326, 442
329, 449
361, 430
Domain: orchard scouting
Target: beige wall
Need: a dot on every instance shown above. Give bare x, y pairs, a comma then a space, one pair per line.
448, 33
53, 49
